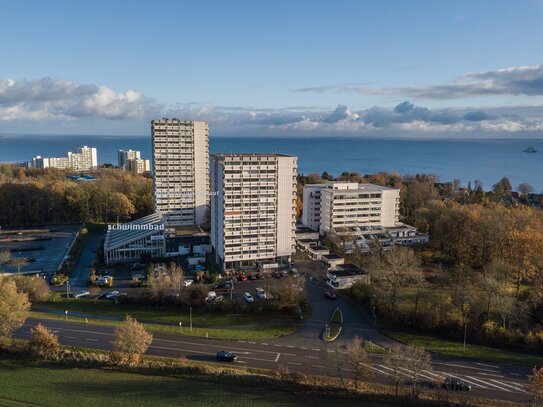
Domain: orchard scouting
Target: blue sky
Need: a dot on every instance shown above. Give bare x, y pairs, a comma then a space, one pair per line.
311, 67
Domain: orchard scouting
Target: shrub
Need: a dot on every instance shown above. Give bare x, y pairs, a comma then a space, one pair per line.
44, 343
131, 341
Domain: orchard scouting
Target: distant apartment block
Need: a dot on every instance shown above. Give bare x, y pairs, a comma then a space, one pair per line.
82, 159
253, 206
124, 155
357, 214
180, 170
137, 165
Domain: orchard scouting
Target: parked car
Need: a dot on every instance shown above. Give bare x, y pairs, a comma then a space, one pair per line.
455, 384
218, 298
112, 295
223, 284
242, 277
330, 295
259, 276
211, 296
277, 274
260, 293
80, 294
139, 280
294, 272
253, 276
284, 273
188, 282
224, 356
248, 297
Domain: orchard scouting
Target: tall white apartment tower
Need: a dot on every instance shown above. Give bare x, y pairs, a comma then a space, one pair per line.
124, 155
181, 170
253, 207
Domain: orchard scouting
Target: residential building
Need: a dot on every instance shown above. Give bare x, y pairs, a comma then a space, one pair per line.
124, 155
253, 204
343, 276
82, 159
180, 170
137, 165
311, 214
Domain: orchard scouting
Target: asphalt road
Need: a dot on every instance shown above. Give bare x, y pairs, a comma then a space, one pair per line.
488, 380
83, 265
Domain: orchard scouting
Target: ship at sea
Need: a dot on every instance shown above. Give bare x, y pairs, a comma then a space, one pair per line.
529, 150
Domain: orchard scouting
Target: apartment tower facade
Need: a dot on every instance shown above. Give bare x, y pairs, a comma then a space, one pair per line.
253, 206
180, 170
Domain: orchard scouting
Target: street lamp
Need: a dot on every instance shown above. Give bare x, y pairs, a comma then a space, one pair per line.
66, 314
181, 327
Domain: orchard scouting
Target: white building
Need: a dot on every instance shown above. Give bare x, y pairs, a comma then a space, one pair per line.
253, 206
180, 170
82, 159
311, 214
124, 155
137, 165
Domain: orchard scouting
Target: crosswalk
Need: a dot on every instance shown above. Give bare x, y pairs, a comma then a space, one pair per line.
437, 376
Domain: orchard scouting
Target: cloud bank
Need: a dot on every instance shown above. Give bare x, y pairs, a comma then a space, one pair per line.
513, 81
43, 100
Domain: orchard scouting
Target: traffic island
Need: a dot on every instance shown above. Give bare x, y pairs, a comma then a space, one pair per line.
333, 327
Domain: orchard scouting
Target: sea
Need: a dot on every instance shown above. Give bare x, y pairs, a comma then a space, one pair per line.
467, 160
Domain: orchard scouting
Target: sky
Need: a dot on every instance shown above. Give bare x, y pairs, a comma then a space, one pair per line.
278, 68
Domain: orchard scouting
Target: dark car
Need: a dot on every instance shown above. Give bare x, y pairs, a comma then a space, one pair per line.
222, 284
277, 274
224, 356
252, 276
455, 384
330, 295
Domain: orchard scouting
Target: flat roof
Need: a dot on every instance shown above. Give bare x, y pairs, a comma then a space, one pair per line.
224, 155
304, 229
347, 270
332, 256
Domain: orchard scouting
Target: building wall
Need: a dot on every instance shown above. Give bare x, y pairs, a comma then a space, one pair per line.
311, 212
180, 170
125, 155
390, 207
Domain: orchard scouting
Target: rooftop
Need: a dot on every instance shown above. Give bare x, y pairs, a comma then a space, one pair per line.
346, 270
332, 256
123, 234
246, 155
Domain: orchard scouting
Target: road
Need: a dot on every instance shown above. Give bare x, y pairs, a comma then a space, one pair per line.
488, 380
83, 265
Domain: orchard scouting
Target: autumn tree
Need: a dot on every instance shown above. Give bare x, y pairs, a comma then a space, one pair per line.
5, 257
131, 340
535, 386
35, 286
14, 307
120, 206
43, 342
358, 360
396, 361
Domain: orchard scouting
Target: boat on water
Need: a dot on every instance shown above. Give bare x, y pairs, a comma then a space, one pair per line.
529, 150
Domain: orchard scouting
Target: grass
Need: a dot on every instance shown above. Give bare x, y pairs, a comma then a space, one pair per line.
159, 315
447, 347
23, 382
235, 333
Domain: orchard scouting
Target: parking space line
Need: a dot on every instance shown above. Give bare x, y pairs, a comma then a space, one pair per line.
294, 363
484, 384
508, 385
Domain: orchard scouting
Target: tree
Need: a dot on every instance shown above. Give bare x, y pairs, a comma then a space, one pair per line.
5, 257
407, 361
396, 361
419, 362
43, 342
131, 340
19, 262
391, 270
358, 360
163, 281
14, 307
525, 188
501, 187
35, 286
535, 386
120, 206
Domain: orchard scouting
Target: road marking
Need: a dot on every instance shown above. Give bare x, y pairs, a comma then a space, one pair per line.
312, 357
411, 374
484, 364
508, 385
241, 361
288, 354
318, 350
277, 357
474, 380
289, 346
278, 345
92, 340
264, 343
70, 337
303, 348
294, 363
319, 366
252, 343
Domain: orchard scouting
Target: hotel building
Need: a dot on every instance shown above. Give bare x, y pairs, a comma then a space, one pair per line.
253, 206
82, 159
180, 170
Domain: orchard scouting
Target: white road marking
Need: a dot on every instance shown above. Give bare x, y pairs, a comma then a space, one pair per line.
474, 379
241, 361
264, 343
318, 350
301, 347
92, 340
411, 373
312, 357
288, 354
289, 346
319, 366
294, 363
277, 357
508, 385
278, 345
484, 364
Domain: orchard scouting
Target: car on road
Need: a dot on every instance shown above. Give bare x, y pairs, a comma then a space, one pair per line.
259, 276
294, 272
277, 274
260, 293
330, 295
455, 384
139, 280
80, 294
248, 297
243, 277
224, 356
188, 282
112, 295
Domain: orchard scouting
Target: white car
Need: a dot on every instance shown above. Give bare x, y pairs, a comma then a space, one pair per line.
112, 295
248, 297
211, 296
187, 282
260, 293
80, 294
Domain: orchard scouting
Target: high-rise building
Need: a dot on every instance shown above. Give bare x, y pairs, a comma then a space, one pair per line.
253, 207
181, 170
137, 165
125, 155
82, 159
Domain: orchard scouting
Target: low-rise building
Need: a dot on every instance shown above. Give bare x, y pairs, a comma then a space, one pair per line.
344, 276
332, 260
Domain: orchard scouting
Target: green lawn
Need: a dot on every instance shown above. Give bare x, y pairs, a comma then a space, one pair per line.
234, 333
446, 347
24, 382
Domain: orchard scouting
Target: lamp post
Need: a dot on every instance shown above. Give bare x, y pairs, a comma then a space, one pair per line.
190, 310
181, 327
66, 314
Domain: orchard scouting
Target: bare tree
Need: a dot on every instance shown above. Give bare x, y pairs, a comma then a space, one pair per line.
131, 340
525, 188
535, 385
165, 280
419, 362
338, 356
396, 361
5, 257
407, 362
19, 262
14, 307
358, 360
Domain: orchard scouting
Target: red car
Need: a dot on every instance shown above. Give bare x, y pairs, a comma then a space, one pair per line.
243, 277
330, 295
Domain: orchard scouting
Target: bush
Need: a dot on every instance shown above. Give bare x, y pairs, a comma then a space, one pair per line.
44, 343
131, 341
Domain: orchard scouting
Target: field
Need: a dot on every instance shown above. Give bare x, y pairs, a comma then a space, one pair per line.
23, 382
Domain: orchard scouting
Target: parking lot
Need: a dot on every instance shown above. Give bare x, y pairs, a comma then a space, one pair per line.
43, 246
